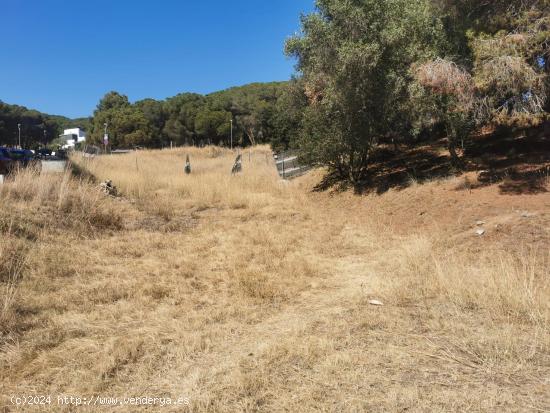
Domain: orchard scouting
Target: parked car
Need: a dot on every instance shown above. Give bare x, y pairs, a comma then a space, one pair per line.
44, 153
25, 158
6, 161
11, 159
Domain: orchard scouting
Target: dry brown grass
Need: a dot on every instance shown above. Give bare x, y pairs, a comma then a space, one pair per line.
245, 293
13, 256
155, 179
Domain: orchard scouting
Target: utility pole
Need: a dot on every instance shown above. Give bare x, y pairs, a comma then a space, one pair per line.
231, 132
45, 138
19, 128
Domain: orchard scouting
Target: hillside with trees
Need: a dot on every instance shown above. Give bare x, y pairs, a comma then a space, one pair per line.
256, 110
37, 128
260, 113
401, 71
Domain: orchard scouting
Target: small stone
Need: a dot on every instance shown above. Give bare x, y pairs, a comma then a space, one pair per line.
375, 302
526, 214
108, 188
480, 222
480, 232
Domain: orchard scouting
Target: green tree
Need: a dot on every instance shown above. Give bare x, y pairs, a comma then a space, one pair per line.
156, 116
447, 96
213, 125
504, 73
37, 129
127, 124
189, 118
181, 111
112, 100
252, 107
288, 113
355, 58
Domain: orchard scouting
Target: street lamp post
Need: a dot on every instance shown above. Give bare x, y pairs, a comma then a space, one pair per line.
19, 128
105, 138
231, 133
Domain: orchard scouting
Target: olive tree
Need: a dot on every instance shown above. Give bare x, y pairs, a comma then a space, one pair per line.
355, 57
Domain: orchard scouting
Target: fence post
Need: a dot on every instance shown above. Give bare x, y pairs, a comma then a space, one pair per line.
283, 155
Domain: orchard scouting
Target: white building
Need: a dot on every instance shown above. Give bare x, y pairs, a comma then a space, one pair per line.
73, 136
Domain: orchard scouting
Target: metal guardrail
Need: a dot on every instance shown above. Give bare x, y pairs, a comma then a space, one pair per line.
289, 164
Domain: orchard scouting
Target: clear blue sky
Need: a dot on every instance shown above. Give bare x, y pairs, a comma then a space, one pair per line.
62, 56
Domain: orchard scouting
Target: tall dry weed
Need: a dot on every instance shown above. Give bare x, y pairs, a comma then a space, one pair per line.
504, 285
13, 261
157, 182
58, 200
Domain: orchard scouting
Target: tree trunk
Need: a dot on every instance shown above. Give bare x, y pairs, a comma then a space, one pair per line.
456, 162
358, 170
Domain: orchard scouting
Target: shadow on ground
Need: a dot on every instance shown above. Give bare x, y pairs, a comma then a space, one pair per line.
398, 168
520, 163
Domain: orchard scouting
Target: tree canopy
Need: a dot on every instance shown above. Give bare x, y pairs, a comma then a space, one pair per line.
355, 59
194, 119
373, 70
37, 129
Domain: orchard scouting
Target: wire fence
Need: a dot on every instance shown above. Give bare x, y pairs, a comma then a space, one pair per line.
289, 164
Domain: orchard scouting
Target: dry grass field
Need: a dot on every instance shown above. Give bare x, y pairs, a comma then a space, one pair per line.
248, 293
